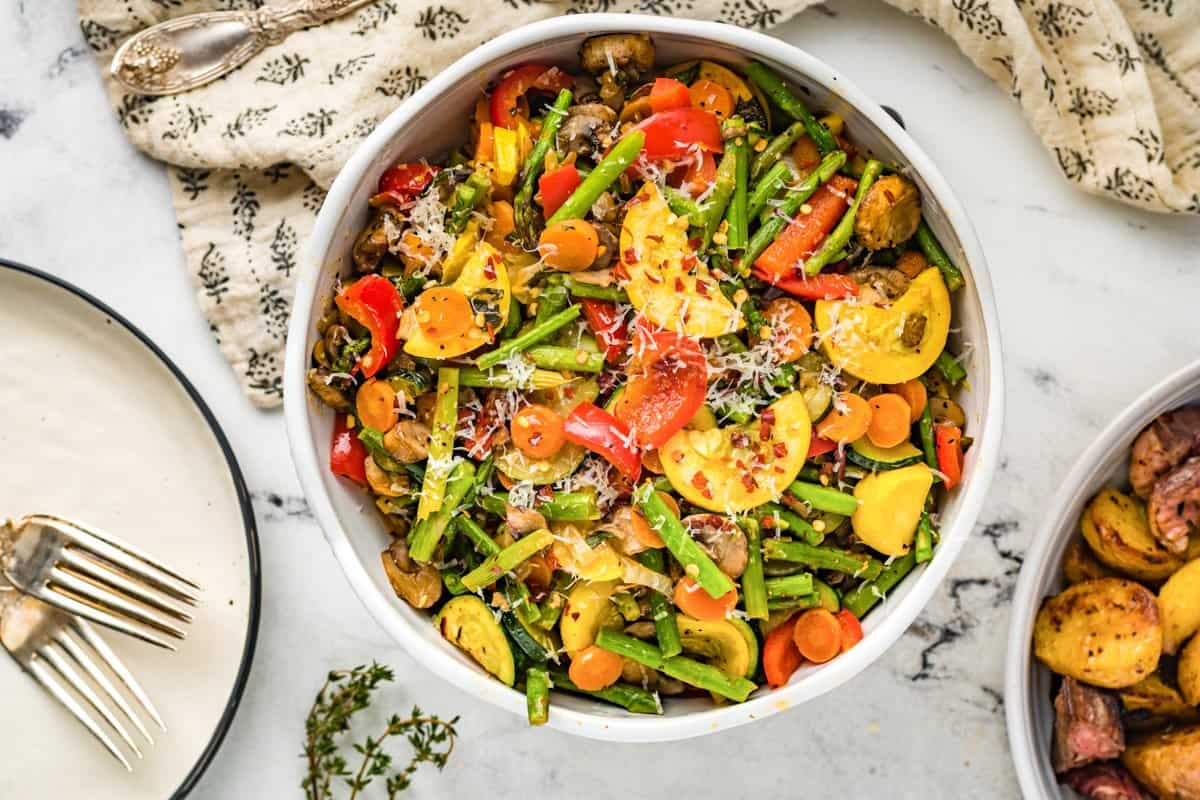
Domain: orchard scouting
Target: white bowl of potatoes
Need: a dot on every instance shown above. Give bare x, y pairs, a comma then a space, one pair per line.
1103, 674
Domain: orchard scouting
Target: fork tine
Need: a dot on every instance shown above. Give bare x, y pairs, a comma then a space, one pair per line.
100, 616
112, 601
77, 682
101, 573
124, 555
98, 676
86, 632
46, 677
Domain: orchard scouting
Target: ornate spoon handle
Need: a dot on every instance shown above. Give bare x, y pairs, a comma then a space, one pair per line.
189, 51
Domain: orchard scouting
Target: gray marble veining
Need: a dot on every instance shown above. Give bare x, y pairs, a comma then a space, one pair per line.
1097, 302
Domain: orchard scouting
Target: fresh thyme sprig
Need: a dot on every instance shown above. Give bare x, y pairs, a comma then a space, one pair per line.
345, 693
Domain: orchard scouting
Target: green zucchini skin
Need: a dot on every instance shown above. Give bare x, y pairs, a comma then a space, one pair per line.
524, 639
878, 459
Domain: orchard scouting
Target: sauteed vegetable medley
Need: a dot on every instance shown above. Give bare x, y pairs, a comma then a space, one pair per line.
648, 380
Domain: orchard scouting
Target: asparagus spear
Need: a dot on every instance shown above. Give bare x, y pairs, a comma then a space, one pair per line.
796, 603
441, 443
695, 561
467, 195
713, 210
766, 188
737, 214
798, 585
768, 159
923, 550
863, 597
773, 86
693, 673
502, 379
661, 610
935, 255
478, 536
797, 525
552, 299
494, 566
577, 288
523, 212
618, 159
537, 692
563, 507
566, 358
427, 533
855, 564
822, 498
925, 426
755, 589
631, 698
528, 339
682, 206
837, 240
951, 370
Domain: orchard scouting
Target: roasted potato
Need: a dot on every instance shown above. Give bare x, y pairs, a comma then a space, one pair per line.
1104, 632
1117, 529
1179, 606
1080, 564
1168, 764
1155, 696
1187, 672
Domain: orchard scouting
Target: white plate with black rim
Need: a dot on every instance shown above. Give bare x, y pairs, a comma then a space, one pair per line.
97, 424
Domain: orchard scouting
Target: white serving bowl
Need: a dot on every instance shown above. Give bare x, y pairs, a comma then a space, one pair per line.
1027, 694
432, 122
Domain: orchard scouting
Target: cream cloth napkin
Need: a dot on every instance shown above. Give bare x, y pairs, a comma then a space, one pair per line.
1111, 86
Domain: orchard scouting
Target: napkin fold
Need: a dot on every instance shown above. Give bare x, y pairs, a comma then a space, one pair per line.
1112, 87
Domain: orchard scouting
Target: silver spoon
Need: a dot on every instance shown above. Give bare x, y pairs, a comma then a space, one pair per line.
189, 51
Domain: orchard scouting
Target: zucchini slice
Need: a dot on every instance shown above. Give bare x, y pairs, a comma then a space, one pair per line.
831, 601
467, 623
535, 644
865, 454
751, 642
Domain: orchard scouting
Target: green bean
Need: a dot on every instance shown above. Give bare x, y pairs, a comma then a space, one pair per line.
790, 206
427, 533
774, 88
537, 692
857, 565
797, 525
755, 590
951, 370
535, 162
494, 566
928, 448
768, 159
503, 379
935, 255
577, 288
565, 358
528, 339
467, 195
693, 673
863, 597
767, 188
526, 610
606, 173
441, 442
631, 698
552, 299
661, 609
663, 521
798, 585
923, 550
682, 205
736, 216
478, 536
563, 507
822, 498
713, 209
839, 237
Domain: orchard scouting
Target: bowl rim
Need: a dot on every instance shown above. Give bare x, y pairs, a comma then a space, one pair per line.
638, 728
1037, 570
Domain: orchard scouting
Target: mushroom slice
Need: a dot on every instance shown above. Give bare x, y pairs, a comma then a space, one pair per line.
722, 539
420, 585
408, 441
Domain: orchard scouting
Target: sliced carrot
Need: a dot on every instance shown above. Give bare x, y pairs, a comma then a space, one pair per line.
642, 530
569, 245
804, 234
537, 431
503, 223
695, 602
375, 404
806, 153
780, 656
847, 420
891, 420
594, 668
852, 632
948, 444
792, 326
819, 447
443, 313
915, 394
486, 146
712, 97
818, 635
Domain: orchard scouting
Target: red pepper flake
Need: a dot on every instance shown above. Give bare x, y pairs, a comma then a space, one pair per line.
545, 494
749, 482
654, 237
780, 450
740, 439
679, 287
677, 456
767, 522
489, 269
630, 256
694, 243
688, 262
766, 421
707, 494
653, 278
700, 481
702, 288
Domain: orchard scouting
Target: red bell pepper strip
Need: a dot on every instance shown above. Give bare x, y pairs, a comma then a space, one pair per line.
818, 446
852, 632
507, 96
404, 182
804, 234
780, 656
668, 93
948, 445
374, 303
697, 175
555, 186
346, 452
672, 134
665, 387
608, 325
599, 431
824, 286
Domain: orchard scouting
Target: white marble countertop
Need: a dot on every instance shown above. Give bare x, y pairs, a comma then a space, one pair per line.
1097, 302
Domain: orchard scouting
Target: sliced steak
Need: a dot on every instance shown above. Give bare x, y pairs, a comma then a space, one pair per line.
1105, 782
1087, 726
1166, 442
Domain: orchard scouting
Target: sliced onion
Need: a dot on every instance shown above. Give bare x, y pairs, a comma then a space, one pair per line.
633, 572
